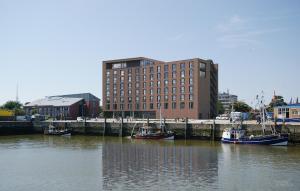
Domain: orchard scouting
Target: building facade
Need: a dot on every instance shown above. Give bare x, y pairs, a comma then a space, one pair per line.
91, 103
227, 99
141, 87
287, 112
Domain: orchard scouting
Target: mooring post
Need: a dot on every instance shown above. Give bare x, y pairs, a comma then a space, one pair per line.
121, 130
186, 128
104, 126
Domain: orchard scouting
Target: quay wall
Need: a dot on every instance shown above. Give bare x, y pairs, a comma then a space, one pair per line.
182, 130
16, 127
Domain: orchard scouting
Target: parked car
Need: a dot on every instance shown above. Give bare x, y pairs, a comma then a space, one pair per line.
223, 117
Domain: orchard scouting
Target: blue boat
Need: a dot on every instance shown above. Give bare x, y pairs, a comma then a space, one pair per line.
238, 135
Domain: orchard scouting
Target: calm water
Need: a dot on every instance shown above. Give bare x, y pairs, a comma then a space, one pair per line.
89, 163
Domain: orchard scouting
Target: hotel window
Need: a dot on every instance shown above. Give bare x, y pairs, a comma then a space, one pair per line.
137, 92
137, 71
158, 83
191, 81
173, 97
144, 92
144, 98
158, 98
129, 71
129, 78
151, 91
182, 73
191, 65
108, 106
173, 82
202, 67
122, 93
173, 90
151, 98
173, 105
107, 80
182, 105
151, 70
202, 74
115, 106
137, 85
107, 73
130, 106
191, 72
144, 106
191, 105
151, 105
158, 105
115, 80
121, 99
166, 90
182, 97
129, 92
144, 70
173, 67
137, 106
129, 86
151, 84
129, 99
144, 85
158, 91
182, 66
182, 81
107, 100
166, 75
158, 69
166, 82
158, 76
115, 72
122, 79
137, 99
182, 89
166, 105
151, 77
121, 106
191, 89
144, 77
137, 78
191, 97
166, 98
122, 72
165, 68
173, 74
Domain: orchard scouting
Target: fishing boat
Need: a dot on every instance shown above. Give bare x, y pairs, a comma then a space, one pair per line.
237, 135
149, 132
52, 130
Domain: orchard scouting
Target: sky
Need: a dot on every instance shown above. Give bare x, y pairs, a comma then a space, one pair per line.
54, 47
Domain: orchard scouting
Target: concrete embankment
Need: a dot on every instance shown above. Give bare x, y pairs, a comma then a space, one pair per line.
210, 130
16, 127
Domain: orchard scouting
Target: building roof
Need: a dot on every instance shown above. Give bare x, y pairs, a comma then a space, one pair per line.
297, 105
54, 101
85, 96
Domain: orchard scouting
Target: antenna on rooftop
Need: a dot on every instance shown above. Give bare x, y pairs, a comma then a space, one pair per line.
17, 93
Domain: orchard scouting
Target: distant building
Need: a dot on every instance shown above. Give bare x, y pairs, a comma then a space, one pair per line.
287, 112
227, 99
141, 86
65, 106
91, 102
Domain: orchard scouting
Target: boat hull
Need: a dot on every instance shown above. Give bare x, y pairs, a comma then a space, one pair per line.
275, 141
155, 137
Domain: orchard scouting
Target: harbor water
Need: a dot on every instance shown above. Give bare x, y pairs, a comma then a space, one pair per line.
39, 162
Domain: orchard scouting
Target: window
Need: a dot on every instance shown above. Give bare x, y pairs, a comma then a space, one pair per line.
166, 90
182, 105
191, 89
129, 99
158, 69
130, 106
151, 91
151, 98
182, 81
191, 73
137, 106
191, 105
144, 98
173, 90
173, 74
122, 86
129, 71
191, 97
158, 76
191, 65
173, 82
166, 82
173, 97
173, 67
137, 99
129, 78
137, 71
182, 97
151, 77
144, 92
144, 70
158, 83
137, 78
144, 85
158, 98
182, 66
137, 92
151, 70
122, 72
121, 99
182, 89
121, 106
202, 74
115, 106
203, 67
144, 106
151, 105
166, 97
108, 106
144, 77
166, 105
158, 91
165, 68
137, 85
191, 81
158, 105
182, 73
151, 84
173, 105
166, 75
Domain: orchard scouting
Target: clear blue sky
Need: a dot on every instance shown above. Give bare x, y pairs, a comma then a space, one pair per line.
57, 46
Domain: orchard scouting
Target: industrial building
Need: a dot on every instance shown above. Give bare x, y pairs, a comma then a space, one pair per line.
141, 87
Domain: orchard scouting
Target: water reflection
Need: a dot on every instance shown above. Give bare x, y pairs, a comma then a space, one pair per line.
155, 165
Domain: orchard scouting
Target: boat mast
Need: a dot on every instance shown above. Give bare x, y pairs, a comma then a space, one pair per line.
262, 109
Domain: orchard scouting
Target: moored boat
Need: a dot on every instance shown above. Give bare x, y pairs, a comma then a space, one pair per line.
52, 130
238, 135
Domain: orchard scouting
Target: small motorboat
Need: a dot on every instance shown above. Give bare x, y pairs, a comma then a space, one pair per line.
52, 130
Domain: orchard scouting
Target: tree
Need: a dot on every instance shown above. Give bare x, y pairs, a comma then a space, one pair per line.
15, 106
276, 101
240, 106
220, 107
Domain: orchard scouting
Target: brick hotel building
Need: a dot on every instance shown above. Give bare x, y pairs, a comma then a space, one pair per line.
140, 86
